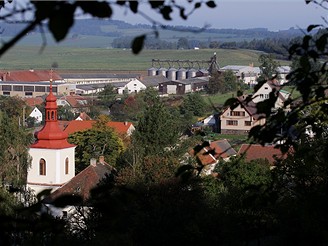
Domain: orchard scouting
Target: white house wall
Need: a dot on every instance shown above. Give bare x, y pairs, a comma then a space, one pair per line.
134, 86
36, 113
240, 126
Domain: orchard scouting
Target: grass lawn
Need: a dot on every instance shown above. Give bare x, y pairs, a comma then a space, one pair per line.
106, 59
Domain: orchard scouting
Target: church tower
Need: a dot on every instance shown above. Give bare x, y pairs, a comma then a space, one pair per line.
53, 158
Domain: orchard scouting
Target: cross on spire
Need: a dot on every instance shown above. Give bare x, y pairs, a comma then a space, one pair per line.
51, 73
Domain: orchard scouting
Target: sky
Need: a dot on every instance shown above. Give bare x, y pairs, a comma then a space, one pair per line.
242, 14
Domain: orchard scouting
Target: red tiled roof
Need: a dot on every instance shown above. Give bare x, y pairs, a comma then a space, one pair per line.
210, 154
74, 101
205, 157
63, 124
29, 75
222, 148
79, 125
83, 182
257, 151
33, 101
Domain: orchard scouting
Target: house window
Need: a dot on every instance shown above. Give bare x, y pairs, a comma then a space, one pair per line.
18, 88
42, 167
261, 95
237, 113
232, 122
28, 93
66, 165
6, 93
248, 123
6, 87
28, 88
266, 96
40, 89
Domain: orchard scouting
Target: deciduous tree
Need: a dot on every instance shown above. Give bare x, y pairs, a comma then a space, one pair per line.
99, 140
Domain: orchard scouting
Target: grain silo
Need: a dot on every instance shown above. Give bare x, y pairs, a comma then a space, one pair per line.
191, 73
172, 73
162, 71
181, 74
152, 71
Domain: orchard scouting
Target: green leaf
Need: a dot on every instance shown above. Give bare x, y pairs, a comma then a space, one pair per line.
311, 27
306, 41
156, 4
231, 102
138, 43
44, 9
305, 63
198, 5
41, 195
61, 21
182, 14
211, 4
96, 9
166, 11
120, 2
321, 42
134, 6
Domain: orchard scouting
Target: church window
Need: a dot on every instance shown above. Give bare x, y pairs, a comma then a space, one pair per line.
42, 166
66, 165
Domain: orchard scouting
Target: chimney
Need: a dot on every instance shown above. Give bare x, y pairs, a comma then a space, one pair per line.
101, 159
93, 162
125, 123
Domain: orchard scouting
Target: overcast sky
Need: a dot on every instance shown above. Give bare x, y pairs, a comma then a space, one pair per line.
241, 14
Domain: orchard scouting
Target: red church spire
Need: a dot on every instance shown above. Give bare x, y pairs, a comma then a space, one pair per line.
51, 136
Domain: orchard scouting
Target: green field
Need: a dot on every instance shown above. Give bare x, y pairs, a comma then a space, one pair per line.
107, 59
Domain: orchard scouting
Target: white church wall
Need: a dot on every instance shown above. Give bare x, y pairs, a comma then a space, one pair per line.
55, 167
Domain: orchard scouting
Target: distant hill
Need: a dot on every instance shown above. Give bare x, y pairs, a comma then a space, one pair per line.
118, 29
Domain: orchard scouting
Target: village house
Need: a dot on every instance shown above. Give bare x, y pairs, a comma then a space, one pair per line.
83, 116
263, 93
79, 186
248, 74
208, 154
241, 119
36, 114
132, 86
33, 102
76, 103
